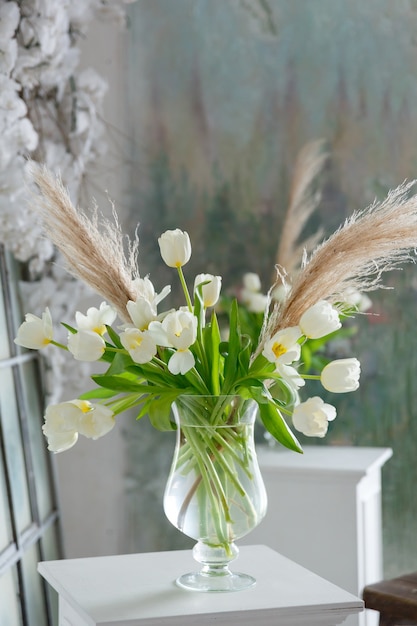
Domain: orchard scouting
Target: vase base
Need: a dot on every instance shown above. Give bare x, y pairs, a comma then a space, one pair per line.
198, 581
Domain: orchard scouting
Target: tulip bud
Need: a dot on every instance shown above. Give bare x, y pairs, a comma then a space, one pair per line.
175, 247
211, 290
319, 320
35, 332
341, 375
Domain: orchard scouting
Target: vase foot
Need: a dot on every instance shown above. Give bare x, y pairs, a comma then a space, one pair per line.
199, 581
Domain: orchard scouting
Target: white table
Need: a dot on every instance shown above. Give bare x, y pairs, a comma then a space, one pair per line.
324, 512
139, 590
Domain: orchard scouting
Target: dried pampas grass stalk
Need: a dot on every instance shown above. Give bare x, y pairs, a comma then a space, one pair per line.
369, 243
93, 249
303, 201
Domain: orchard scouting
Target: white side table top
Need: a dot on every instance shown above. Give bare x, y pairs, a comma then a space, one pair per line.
345, 460
139, 590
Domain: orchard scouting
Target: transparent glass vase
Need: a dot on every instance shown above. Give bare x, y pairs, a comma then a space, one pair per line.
215, 492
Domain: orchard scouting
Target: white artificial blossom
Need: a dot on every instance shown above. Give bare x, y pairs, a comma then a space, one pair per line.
52, 112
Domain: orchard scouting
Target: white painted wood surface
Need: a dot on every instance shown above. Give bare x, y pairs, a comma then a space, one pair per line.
139, 590
324, 512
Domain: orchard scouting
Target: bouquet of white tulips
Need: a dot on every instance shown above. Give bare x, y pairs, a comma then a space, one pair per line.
161, 355
156, 355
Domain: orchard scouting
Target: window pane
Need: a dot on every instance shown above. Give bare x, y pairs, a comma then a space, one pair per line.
4, 343
9, 599
33, 589
5, 525
34, 413
50, 545
14, 276
14, 451
51, 552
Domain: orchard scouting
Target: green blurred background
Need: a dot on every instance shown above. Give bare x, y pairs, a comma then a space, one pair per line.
223, 94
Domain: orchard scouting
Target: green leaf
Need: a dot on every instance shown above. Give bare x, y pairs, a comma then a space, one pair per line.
234, 347
119, 364
277, 426
159, 412
114, 337
211, 337
126, 402
72, 330
199, 306
122, 382
99, 393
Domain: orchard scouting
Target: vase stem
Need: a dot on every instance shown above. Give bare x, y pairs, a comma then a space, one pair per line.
215, 574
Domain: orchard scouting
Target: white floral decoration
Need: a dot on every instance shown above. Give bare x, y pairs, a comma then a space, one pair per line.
50, 112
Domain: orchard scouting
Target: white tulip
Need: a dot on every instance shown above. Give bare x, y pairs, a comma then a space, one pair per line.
145, 289
141, 312
283, 348
255, 302
341, 376
291, 376
177, 330
64, 421
211, 290
96, 319
175, 247
140, 345
181, 362
320, 320
61, 426
361, 301
96, 420
251, 282
35, 332
86, 345
312, 417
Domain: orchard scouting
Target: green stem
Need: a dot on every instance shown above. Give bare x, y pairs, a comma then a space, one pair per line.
58, 345
215, 492
185, 289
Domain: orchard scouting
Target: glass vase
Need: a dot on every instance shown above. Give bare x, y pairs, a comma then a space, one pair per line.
215, 493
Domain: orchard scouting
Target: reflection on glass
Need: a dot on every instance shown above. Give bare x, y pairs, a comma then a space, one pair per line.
33, 411
33, 590
4, 342
14, 450
10, 613
5, 526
